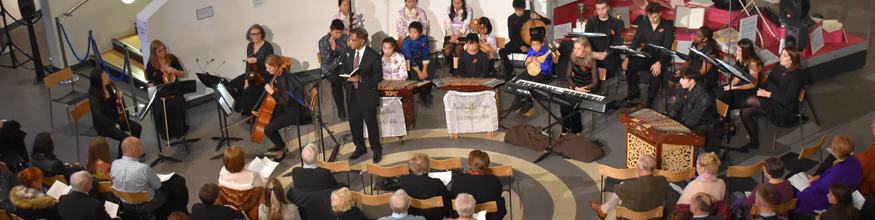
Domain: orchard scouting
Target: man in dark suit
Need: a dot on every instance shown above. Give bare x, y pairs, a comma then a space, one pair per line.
364, 98
78, 205
645, 193
700, 206
310, 177
207, 211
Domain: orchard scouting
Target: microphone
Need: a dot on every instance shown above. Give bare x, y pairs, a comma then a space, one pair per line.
208, 64
220, 65
199, 64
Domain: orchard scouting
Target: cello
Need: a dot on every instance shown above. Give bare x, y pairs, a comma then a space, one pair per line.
265, 111
539, 26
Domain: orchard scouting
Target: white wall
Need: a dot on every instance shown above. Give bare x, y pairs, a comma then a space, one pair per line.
12, 7
107, 18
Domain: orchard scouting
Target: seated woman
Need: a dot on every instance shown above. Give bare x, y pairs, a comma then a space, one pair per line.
240, 188
737, 91
99, 162
164, 67
421, 186
774, 169
708, 74
104, 111
480, 183
846, 170
842, 203
707, 181
43, 157
778, 97
30, 200
276, 206
488, 42
341, 204
582, 75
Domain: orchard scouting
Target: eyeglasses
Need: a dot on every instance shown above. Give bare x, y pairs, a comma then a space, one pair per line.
255, 34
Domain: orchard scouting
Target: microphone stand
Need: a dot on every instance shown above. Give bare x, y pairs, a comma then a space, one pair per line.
318, 117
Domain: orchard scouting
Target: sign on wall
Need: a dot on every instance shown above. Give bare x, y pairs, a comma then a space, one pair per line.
469, 112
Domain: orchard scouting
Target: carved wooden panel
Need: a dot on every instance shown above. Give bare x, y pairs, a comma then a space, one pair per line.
635, 147
677, 157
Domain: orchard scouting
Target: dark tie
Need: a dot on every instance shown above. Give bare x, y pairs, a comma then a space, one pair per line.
356, 66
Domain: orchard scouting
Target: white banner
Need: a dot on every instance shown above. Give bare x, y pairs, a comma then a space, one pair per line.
470, 112
391, 118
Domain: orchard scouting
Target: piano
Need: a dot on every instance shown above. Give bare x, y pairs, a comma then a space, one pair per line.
562, 96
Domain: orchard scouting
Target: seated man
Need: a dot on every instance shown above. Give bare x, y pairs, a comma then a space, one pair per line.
473, 62
700, 206
78, 205
310, 177
207, 210
516, 44
645, 193
131, 176
765, 198
399, 203
465, 206
696, 109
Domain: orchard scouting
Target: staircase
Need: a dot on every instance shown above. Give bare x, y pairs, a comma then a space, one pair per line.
114, 59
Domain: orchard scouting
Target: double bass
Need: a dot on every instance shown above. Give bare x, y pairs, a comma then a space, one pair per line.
537, 24
265, 112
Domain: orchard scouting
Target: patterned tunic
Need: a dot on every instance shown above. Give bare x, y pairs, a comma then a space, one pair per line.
492, 42
459, 23
394, 67
329, 54
405, 17
345, 20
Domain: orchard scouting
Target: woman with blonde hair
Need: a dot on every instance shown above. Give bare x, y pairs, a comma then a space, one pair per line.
99, 162
582, 75
707, 182
341, 205
240, 188
276, 206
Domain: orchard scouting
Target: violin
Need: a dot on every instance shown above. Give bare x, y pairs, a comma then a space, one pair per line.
120, 105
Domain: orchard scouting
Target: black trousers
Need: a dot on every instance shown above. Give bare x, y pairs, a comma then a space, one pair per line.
504, 53
337, 83
736, 99
119, 134
636, 64
574, 123
281, 119
246, 98
424, 94
359, 115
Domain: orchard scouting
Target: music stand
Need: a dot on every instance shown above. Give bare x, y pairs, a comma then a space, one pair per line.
724, 66
224, 104
168, 90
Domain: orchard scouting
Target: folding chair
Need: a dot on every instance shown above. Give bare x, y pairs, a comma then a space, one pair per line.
445, 165
489, 207
430, 203
800, 162
747, 184
48, 181
70, 98
385, 172
615, 176
81, 110
136, 198
507, 171
623, 212
337, 167
782, 208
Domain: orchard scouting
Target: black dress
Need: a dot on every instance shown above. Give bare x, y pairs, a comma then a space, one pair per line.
736, 98
578, 75
785, 87
177, 125
248, 97
709, 80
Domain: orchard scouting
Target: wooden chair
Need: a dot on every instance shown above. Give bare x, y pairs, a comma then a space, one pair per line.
430, 203
336, 167
489, 207
48, 181
81, 110
723, 111
507, 171
105, 186
68, 99
623, 212
745, 172
15, 217
3, 215
781, 125
800, 162
319, 57
378, 200
385, 172
134, 198
448, 164
678, 176
615, 175
782, 208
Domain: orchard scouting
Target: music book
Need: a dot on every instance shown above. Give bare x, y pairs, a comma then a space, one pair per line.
799, 181
481, 215
59, 189
690, 18
165, 177
444, 176
353, 73
111, 209
262, 166
723, 39
703, 3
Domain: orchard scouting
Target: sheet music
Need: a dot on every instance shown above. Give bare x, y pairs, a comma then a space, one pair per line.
691, 18
262, 166
816, 39
768, 57
703, 3
444, 176
58, 189
683, 47
481, 215
111, 209
799, 181
675, 3
832, 25
165, 177
858, 199
748, 28
676, 188
561, 30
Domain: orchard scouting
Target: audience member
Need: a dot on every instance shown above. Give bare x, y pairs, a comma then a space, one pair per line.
341, 204
700, 206
12, 142
465, 206
399, 204
766, 197
44, 158
99, 161
240, 188
841, 201
421, 186
480, 183
644, 193
129, 175
29, 199
208, 210
7, 181
311, 177
178, 216
867, 163
707, 181
78, 205
276, 206
846, 170
774, 169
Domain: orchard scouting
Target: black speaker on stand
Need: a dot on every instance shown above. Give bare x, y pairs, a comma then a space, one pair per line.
796, 35
28, 13
725, 4
9, 46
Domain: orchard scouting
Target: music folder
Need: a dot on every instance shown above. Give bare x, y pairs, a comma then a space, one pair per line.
167, 90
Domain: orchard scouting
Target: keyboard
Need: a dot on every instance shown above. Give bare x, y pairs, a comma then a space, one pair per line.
561, 95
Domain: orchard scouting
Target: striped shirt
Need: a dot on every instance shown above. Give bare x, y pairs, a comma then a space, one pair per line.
131, 176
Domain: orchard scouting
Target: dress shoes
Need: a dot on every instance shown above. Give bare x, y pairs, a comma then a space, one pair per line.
341, 115
273, 149
598, 209
378, 157
631, 97
357, 154
651, 102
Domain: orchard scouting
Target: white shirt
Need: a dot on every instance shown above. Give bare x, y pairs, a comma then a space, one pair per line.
310, 166
399, 215
360, 53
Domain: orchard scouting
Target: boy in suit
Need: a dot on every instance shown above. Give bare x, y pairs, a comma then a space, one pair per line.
416, 50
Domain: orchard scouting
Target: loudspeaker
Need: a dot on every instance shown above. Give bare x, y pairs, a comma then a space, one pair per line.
27, 9
796, 35
791, 10
724, 4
